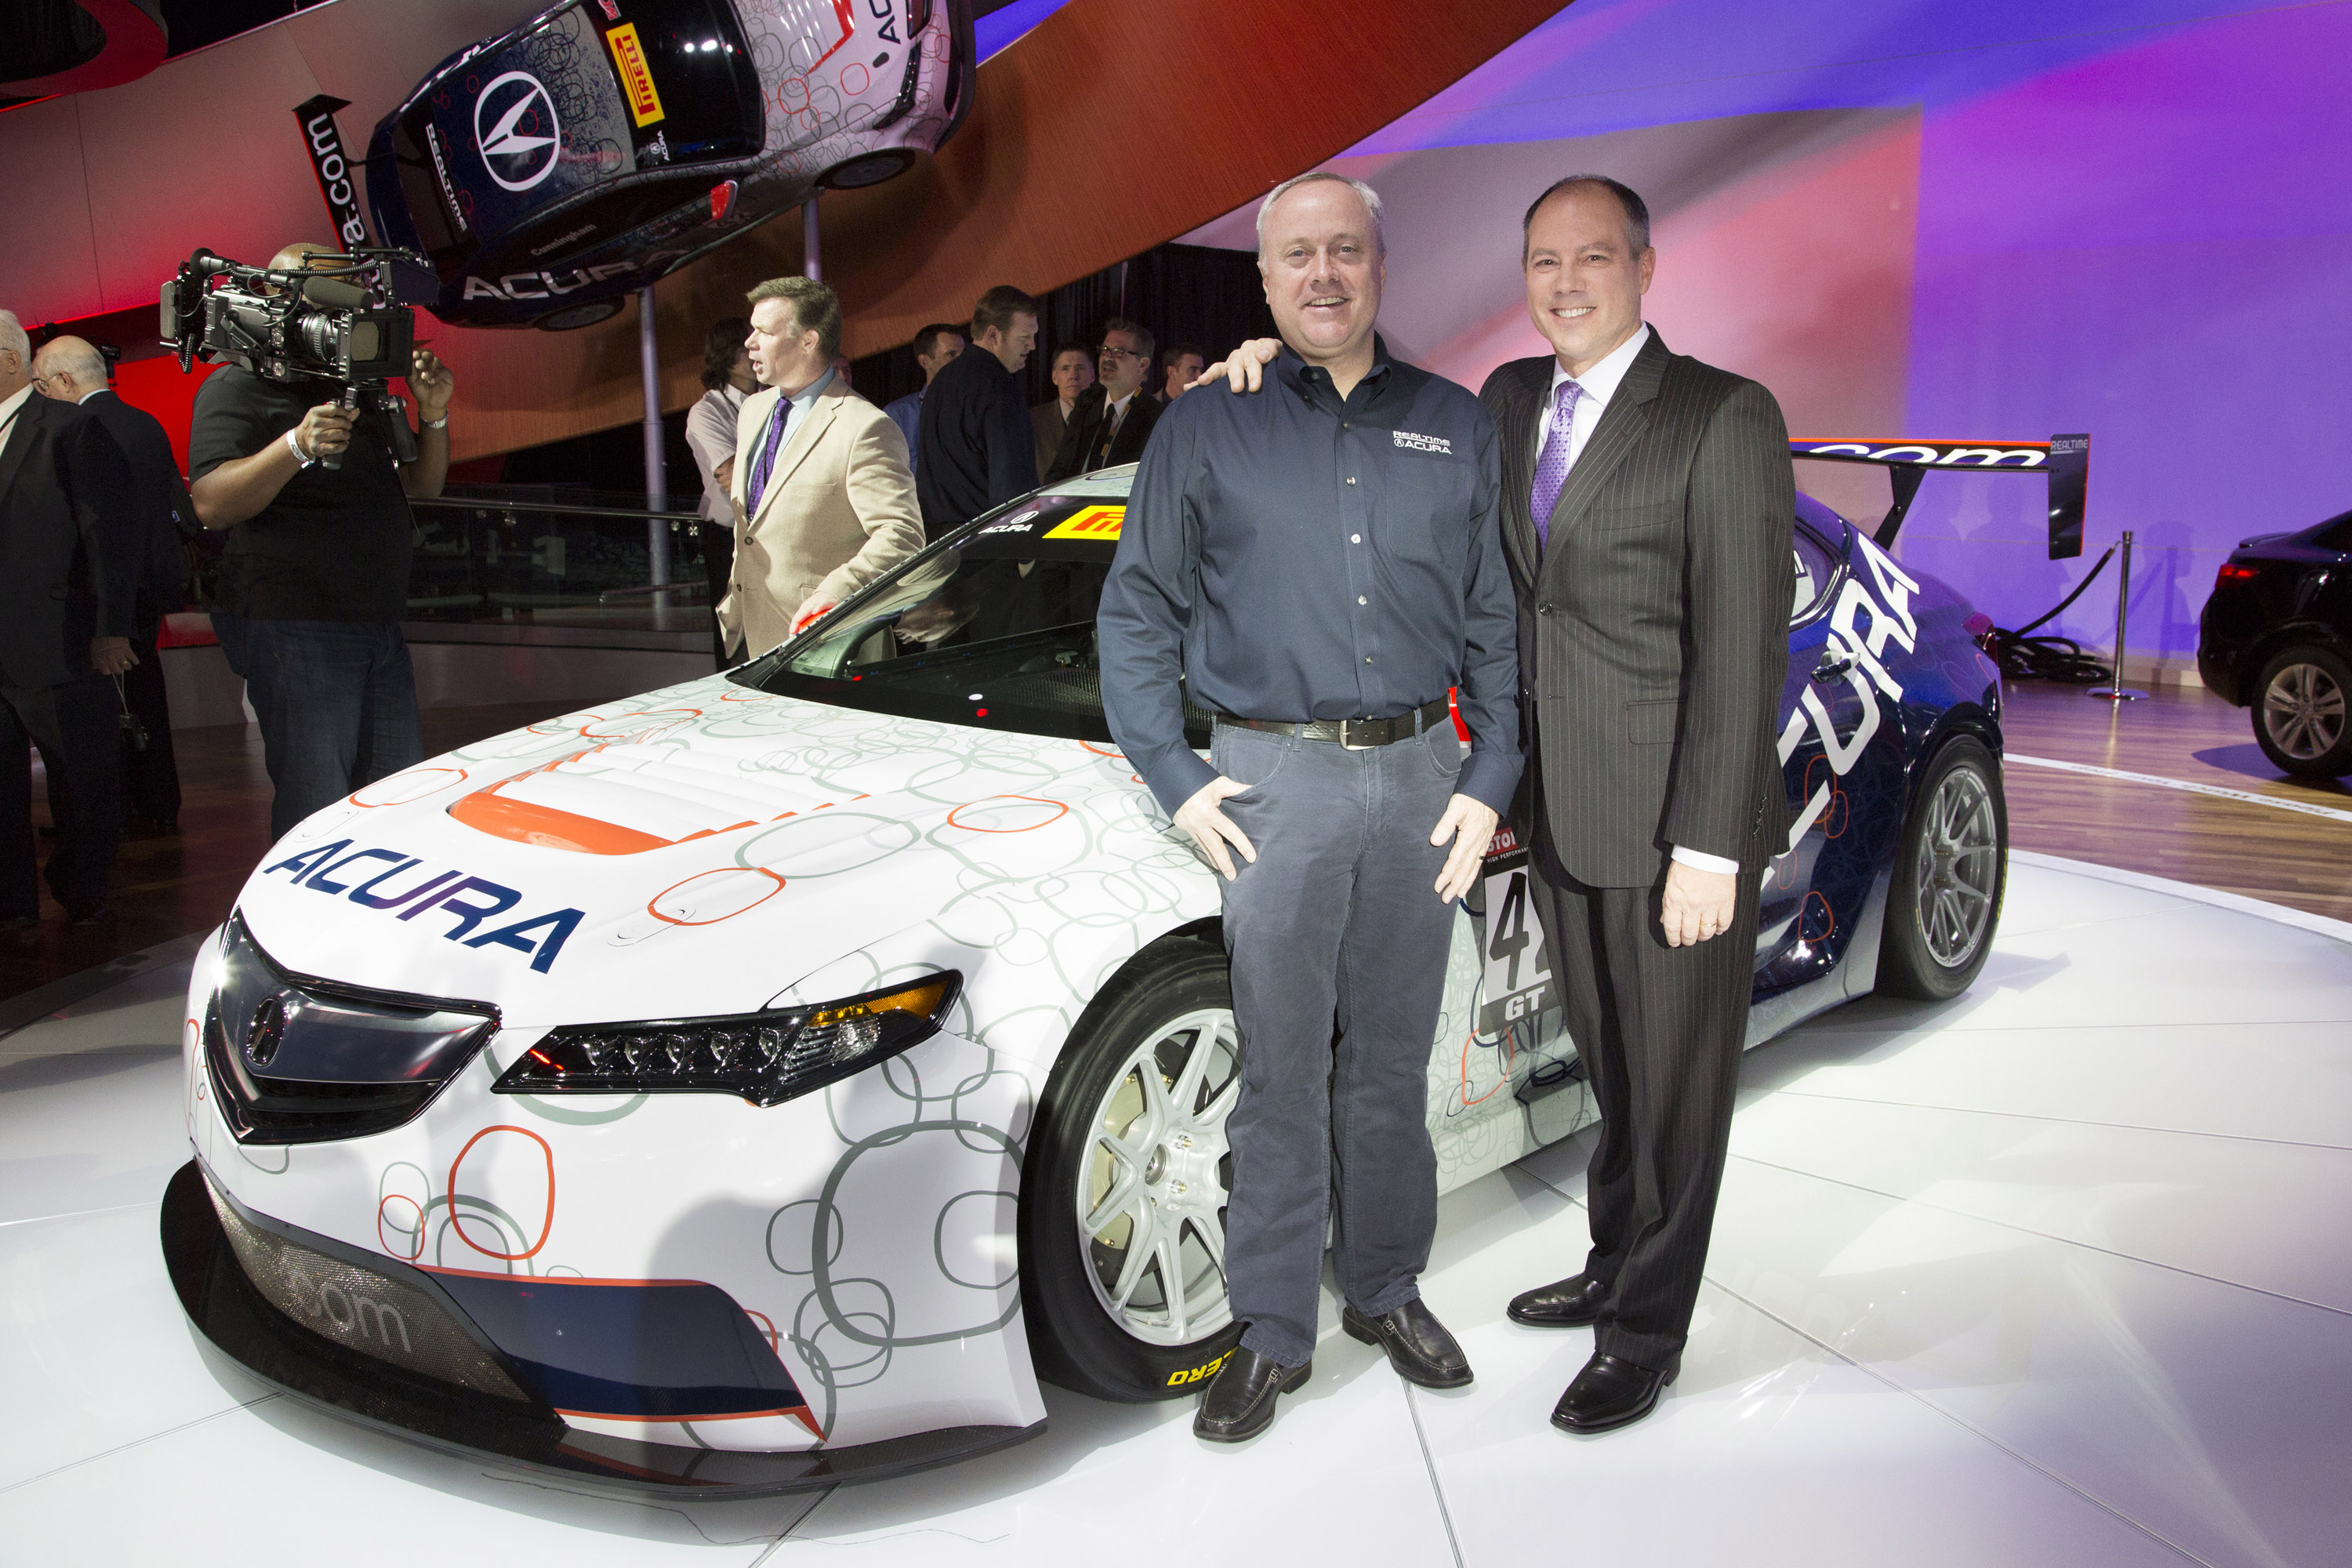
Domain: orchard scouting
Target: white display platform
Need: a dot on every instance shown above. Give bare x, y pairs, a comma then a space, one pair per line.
2058, 1273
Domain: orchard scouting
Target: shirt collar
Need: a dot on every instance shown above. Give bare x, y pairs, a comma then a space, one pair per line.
1308, 379
86, 396
1118, 405
1601, 382
10, 405
809, 394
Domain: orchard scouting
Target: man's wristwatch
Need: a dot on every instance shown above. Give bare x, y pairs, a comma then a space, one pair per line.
424, 424
295, 447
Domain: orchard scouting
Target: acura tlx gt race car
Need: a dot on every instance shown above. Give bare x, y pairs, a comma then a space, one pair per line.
604, 143
763, 1082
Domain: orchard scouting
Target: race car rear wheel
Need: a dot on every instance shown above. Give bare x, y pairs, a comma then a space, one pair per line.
1950, 872
2299, 713
1123, 1200
868, 169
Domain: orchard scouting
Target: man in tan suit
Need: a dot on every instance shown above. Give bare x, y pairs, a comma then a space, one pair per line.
824, 501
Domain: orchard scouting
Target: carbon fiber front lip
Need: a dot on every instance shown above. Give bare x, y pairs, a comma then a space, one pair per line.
231, 1314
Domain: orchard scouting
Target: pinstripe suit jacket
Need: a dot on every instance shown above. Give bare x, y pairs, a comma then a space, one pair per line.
1653, 629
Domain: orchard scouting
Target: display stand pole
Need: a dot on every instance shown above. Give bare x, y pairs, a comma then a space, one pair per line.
657, 464
812, 265
2117, 692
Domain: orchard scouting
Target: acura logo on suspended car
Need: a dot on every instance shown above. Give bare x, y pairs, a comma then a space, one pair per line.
515, 127
263, 1035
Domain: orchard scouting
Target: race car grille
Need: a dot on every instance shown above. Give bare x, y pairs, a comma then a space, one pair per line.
297, 1061
365, 1311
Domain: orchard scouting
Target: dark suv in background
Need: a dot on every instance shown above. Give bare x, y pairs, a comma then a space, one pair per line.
2276, 637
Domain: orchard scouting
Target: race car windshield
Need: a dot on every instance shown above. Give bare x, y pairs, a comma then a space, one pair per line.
688, 78
994, 627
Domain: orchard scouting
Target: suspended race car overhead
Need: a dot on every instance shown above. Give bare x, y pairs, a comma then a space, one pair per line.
603, 144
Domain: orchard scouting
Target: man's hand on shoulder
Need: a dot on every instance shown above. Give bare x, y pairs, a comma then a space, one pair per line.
1696, 905
1470, 825
1243, 370
1212, 830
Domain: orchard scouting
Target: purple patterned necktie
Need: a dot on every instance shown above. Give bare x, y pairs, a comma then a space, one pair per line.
766, 460
1551, 467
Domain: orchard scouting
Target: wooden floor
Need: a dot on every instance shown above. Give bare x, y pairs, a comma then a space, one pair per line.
165, 888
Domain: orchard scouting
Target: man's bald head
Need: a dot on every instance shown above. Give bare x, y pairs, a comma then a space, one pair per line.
300, 255
69, 369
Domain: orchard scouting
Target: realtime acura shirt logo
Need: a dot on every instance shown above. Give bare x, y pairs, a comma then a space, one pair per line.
261, 1037
515, 127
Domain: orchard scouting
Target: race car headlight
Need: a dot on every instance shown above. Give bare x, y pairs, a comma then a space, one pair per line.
766, 1058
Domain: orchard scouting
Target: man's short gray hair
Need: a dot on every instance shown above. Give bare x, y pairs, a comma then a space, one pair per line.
1370, 198
12, 336
76, 358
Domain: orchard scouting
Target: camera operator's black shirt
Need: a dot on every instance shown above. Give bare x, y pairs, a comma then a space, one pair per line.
334, 545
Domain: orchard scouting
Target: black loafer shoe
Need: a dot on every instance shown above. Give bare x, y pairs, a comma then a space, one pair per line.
1569, 1304
1239, 1402
1611, 1391
87, 914
1417, 1343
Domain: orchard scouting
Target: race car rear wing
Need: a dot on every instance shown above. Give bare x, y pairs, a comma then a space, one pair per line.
2064, 459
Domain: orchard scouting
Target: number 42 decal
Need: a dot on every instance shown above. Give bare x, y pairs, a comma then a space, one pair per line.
1518, 976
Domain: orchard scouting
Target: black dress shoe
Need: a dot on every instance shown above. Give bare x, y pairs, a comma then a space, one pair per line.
1569, 1304
19, 922
1418, 1345
1611, 1391
86, 914
1239, 1402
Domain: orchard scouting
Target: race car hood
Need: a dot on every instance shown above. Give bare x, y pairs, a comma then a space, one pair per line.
689, 853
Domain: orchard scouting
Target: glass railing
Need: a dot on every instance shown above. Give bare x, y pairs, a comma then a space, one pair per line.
559, 556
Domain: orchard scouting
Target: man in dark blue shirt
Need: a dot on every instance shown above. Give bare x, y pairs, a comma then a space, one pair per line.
977, 448
1318, 565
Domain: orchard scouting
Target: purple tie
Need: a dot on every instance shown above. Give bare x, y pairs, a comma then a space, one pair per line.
1551, 467
767, 457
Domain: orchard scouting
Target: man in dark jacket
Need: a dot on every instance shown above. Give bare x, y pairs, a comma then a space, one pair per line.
68, 580
978, 447
1113, 418
71, 370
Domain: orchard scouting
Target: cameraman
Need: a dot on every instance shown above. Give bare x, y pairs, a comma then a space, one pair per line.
314, 585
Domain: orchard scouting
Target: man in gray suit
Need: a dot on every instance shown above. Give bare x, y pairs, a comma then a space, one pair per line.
1646, 508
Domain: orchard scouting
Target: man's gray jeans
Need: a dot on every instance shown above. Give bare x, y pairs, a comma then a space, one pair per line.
1338, 945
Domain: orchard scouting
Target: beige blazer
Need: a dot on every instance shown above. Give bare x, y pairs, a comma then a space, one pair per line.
839, 511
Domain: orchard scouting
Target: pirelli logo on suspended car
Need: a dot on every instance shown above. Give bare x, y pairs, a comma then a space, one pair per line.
637, 78
1098, 522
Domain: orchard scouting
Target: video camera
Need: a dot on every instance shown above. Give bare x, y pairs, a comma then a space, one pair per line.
343, 322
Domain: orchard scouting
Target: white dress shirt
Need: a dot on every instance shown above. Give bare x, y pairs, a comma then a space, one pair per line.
10, 407
1600, 385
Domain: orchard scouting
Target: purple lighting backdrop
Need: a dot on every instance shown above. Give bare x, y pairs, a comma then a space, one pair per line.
1996, 220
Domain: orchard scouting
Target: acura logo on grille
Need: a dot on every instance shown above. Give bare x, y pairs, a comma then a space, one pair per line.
515, 127
263, 1035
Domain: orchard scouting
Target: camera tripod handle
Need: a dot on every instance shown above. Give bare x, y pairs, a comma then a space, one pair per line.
335, 459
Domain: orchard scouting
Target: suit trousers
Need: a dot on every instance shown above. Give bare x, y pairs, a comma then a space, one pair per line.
75, 726
337, 702
1660, 1030
1339, 947
150, 776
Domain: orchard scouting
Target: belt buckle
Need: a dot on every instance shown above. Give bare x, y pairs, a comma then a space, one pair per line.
1347, 745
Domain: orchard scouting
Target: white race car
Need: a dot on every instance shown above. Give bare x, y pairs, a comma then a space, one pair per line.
762, 1082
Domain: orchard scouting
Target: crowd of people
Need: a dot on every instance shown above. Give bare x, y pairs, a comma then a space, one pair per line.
809, 499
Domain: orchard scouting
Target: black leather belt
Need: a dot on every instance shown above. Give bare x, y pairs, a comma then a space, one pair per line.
1355, 734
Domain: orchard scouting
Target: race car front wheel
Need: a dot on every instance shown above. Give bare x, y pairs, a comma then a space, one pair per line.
2299, 713
1950, 872
1123, 1199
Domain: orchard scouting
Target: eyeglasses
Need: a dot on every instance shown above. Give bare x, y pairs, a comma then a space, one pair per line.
1116, 350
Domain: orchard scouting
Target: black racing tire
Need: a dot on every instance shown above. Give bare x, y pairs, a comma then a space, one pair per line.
1075, 1337
1951, 871
2299, 711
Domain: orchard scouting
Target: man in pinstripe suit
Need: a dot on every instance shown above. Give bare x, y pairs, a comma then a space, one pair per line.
1647, 500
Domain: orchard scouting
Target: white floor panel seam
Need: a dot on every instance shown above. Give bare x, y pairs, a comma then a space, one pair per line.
2043, 1235
1918, 1398
2190, 892
1436, 1482
137, 1443
77, 1214
1897, 1032
1969, 1427
2060, 1120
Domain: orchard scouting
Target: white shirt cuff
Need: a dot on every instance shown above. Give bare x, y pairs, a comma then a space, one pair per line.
1699, 862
